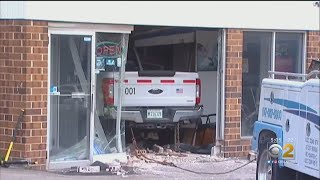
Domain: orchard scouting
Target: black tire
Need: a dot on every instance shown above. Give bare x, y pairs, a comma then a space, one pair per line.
263, 166
5, 165
276, 173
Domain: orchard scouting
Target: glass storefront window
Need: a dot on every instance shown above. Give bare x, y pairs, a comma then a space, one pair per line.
110, 49
288, 52
256, 63
257, 60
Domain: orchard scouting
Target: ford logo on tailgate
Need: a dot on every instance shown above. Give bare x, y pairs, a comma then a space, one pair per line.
155, 91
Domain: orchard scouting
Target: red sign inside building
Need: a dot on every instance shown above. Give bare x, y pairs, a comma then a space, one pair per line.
108, 49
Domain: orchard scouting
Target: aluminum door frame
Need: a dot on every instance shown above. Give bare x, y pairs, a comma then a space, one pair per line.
221, 86
65, 164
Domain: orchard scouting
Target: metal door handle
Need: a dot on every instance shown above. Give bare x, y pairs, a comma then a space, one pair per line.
72, 95
55, 93
79, 95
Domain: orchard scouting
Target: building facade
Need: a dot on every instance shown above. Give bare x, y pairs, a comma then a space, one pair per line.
253, 44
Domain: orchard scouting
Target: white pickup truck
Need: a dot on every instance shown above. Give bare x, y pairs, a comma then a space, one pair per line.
155, 98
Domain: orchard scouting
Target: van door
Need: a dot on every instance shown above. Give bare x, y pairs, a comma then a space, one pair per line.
290, 126
310, 133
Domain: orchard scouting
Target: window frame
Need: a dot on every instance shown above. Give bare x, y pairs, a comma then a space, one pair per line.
304, 45
273, 57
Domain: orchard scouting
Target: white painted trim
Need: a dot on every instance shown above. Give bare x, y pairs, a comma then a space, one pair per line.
92, 27
245, 137
272, 30
263, 15
273, 55
14, 9
67, 31
92, 96
67, 164
48, 101
304, 53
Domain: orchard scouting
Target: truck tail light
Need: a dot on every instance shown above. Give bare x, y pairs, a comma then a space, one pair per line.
198, 91
108, 91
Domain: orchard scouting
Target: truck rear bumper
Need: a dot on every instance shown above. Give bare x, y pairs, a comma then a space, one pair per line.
170, 114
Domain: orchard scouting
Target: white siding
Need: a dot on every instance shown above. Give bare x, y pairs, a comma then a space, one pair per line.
292, 15
12, 9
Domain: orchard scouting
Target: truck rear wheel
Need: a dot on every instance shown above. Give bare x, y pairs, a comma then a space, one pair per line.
266, 170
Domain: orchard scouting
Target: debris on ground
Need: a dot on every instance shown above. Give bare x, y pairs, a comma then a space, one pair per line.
157, 148
100, 168
204, 149
194, 162
141, 159
186, 158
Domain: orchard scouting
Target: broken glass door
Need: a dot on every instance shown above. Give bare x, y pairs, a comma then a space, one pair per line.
70, 98
109, 132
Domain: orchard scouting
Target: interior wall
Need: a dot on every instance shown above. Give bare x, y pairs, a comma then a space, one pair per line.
208, 75
207, 50
184, 57
209, 93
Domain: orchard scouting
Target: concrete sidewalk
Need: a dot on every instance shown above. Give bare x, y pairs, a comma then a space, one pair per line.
151, 171
24, 174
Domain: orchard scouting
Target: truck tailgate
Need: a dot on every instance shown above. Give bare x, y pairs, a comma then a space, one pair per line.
149, 91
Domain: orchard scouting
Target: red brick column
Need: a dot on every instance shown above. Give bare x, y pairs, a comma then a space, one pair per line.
233, 91
23, 85
234, 146
313, 46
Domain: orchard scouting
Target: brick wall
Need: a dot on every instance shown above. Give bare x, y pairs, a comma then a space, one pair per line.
23, 85
233, 146
313, 46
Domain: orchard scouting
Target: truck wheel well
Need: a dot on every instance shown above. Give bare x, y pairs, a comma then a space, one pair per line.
265, 136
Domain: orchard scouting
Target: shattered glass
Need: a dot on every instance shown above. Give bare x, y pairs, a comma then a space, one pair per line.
110, 50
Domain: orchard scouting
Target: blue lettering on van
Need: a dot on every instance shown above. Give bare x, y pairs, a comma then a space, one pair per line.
271, 113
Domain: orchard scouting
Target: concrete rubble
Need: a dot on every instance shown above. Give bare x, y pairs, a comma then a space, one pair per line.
159, 161
147, 166
158, 148
194, 162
